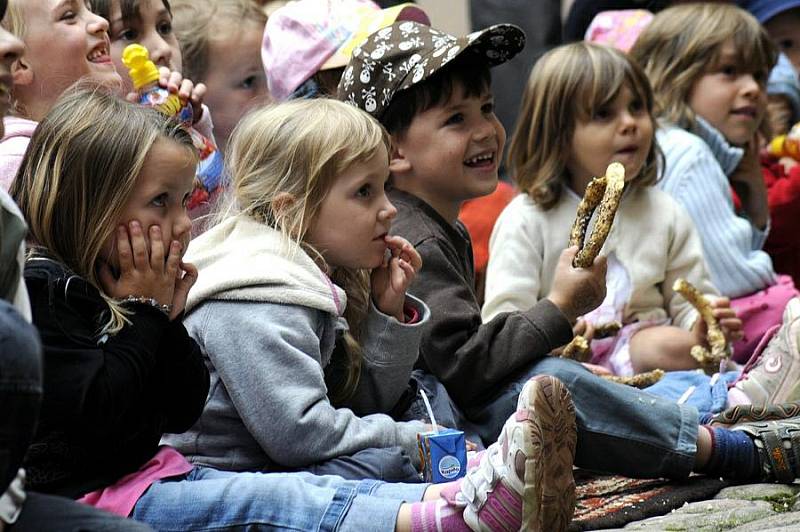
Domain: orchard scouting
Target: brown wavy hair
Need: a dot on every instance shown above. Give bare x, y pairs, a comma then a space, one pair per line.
566, 86
683, 42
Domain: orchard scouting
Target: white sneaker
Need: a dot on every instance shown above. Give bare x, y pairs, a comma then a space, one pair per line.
524, 481
772, 375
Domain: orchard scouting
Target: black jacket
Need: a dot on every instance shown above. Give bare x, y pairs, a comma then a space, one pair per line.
107, 401
472, 359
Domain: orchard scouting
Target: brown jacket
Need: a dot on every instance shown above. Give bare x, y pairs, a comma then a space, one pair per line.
473, 360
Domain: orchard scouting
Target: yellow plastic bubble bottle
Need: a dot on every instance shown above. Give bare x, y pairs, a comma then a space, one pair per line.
144, 74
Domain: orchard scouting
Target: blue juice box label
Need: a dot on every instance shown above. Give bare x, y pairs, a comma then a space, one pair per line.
444, 455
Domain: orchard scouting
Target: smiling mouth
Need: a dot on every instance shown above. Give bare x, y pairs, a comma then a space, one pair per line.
480, 161
99, 55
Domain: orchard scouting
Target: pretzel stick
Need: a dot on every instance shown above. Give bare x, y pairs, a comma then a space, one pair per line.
642, 380
720, 350
605, 192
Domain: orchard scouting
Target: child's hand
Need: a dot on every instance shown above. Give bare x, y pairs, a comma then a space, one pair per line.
185, 278
581, 328
577, 291
186, 90
779, 114
390, 280
732, 327
143, 272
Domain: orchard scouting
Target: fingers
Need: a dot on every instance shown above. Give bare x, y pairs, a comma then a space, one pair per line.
199, 94
174, 259
185, 89
132, 97
141, 256
124, 252
169, 79
187, 276
402, 248
589, 332
579, 328
156, 248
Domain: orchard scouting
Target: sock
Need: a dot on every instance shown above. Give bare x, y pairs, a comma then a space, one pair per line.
705, 419
733, 455
437, 516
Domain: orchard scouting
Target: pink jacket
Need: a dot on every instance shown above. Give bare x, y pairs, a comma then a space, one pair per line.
12, 147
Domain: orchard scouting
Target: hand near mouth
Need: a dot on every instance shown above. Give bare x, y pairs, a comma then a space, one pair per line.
391, 279
748, 182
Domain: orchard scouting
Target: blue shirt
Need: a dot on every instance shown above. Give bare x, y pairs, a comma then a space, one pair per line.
696, 175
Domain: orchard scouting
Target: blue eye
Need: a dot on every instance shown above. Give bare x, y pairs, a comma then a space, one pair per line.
159, 201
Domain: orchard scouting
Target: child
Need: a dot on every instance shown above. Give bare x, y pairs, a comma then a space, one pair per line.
446, 140
295, 169
64, 42
149, 23
553, 156
108, 224
708, 64
220, 41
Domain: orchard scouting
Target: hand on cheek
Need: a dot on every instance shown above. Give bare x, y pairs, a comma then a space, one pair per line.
391, 279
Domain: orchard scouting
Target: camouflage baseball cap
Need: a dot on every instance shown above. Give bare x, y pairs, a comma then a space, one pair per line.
403, 54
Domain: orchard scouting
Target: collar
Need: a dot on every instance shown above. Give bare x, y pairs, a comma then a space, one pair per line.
727, 155
457, 232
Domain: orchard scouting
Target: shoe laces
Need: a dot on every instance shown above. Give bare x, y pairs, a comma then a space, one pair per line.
755, 359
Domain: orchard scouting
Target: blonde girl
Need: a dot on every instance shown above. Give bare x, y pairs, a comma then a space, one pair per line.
221, 45
708, 64
556, 149
300, 311
105, 206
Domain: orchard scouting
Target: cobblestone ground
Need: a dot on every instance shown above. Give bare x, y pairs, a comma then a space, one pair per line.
747, 508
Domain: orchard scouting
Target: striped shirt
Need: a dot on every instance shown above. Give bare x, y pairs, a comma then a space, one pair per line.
696, 175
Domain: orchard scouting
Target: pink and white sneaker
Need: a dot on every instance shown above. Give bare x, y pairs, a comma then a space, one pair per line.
524, 481
773, 374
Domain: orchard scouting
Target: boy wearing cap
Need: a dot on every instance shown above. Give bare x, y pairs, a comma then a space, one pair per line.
432, 93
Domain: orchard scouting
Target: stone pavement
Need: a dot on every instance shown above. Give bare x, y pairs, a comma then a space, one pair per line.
746, 508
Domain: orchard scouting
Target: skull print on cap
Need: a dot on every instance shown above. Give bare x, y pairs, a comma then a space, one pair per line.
403, 54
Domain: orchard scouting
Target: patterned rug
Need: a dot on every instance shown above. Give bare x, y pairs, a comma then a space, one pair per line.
609, 501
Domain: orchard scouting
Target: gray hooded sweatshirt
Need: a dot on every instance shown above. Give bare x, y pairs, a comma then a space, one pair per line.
266, 318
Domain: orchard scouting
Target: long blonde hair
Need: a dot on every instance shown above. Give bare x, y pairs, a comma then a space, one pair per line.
78, 173
298, 149
683, 42
196, 24
567, 85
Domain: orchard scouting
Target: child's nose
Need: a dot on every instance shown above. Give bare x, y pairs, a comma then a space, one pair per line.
160, 52
96, 24
11, 47
389, 211
485, 130
182, 227
751, 86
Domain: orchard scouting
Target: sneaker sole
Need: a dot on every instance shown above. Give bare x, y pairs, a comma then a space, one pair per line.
549, 491
750, 413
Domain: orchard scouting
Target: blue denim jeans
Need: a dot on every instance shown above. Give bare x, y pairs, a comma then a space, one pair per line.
208, 499
20, 389
621, 429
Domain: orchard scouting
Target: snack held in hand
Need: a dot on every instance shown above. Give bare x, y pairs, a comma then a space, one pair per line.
605, 192
720, 350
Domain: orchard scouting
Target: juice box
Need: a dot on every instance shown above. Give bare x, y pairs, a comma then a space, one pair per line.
444, 455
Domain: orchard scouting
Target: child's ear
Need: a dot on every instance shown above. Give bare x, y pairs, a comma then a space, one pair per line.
21, 72
398, 163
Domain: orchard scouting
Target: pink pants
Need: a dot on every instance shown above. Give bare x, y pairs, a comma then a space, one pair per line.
759, 312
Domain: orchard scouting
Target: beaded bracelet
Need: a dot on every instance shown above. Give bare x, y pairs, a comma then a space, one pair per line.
166, 309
